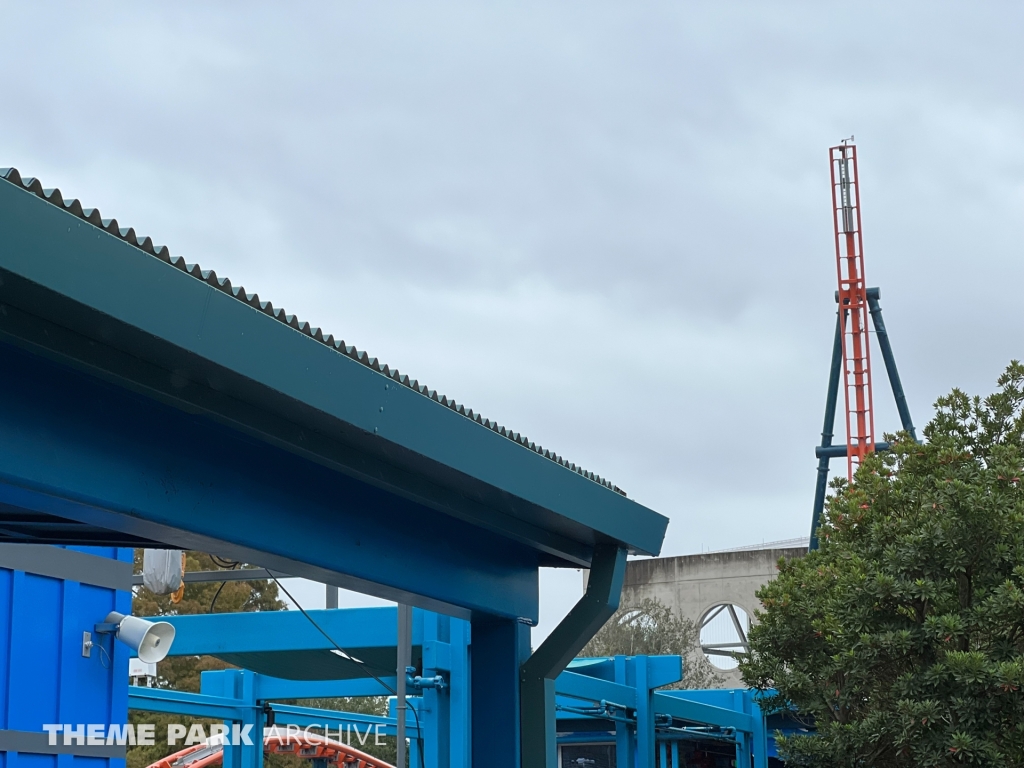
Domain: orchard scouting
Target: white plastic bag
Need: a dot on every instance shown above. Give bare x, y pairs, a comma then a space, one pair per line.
162, 573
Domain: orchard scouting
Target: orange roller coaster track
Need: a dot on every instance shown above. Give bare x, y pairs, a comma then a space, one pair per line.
306, 746
853, 306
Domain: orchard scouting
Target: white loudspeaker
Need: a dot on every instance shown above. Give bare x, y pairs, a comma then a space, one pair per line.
151, 640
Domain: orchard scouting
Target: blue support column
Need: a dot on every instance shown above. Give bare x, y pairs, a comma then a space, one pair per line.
239, 684
497, 649
625, 741
827, 431
436, 702
663, 754
759, 736
644, 714
675, 754
743, 749
459, 693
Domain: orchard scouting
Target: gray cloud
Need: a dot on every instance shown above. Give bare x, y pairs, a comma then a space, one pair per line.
606, 226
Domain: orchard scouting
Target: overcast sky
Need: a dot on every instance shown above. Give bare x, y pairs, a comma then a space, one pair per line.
605, 225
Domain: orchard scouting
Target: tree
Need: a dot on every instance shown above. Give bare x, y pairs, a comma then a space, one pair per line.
902, 637
650, 627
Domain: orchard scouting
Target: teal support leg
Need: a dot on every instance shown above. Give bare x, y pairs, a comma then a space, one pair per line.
414, 754
458, 705
644, 716
675, 754
240, 684
662, 755
759, 738
625, 741
743, 750
827, 430
435, 712
498, 647
538, 673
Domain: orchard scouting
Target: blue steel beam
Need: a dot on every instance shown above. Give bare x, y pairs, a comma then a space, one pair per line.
191, 704
274, 688
236, 710
661, 670
571, 685
74, 447
145, 325
676, 704
264, 631
840, 451
286, 644
287, 714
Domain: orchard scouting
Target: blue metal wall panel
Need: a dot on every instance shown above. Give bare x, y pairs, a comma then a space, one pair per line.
43, 676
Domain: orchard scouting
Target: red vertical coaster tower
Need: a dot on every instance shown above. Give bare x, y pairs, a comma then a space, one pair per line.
853, 305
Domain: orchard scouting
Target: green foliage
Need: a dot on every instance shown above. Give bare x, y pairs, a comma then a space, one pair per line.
651, 628
903, 635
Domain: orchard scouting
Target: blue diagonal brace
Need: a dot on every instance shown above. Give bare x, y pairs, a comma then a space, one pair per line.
874, 296
538, 673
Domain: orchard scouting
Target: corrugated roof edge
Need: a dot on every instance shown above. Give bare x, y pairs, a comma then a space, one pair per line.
92, 216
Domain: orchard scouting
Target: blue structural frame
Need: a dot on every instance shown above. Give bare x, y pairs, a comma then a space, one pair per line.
286, 643
49, 596
827, 451
595, 700
146, 402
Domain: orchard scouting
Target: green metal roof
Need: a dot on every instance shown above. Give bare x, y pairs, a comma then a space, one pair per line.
149, 321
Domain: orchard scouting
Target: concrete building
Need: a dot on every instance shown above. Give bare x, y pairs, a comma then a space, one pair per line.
715, 590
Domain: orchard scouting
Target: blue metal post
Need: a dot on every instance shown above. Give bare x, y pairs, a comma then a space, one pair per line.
675, 754
874, 295
240, 684
625, 741
459, 695
663, 754
759, 736
498, 648
743, 748
435, 709
827, 431
644, 714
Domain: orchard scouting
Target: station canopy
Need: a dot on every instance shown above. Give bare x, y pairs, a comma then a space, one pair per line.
145, 401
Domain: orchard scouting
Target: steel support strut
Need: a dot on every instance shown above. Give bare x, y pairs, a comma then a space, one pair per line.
827, 431
874, 297
826, 450
538, 672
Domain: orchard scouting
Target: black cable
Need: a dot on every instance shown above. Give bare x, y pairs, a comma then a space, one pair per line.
216, 594
350, 657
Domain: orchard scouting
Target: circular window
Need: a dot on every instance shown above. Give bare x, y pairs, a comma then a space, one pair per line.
723, 635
